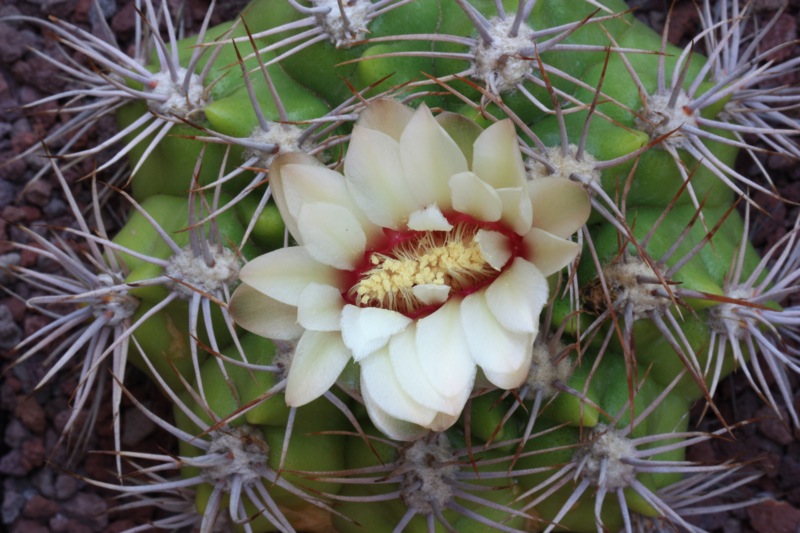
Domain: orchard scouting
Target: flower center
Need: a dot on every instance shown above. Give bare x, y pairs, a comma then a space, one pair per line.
418, 271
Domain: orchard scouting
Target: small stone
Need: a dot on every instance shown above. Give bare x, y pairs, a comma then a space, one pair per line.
10, 332
62, 524
16, 433
7, 193
774, 517
30, 413
38, 192
40, 508
120, 526
43, 481
13, 214
773, 428
14, 43
88, 507
54, 208
11, 465
28, 526
136, 427
13, 501
66, 486
33, 454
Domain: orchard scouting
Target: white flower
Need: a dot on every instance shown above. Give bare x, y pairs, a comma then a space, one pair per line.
425, 260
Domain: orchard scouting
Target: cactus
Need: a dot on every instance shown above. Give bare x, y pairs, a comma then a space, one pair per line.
430, 265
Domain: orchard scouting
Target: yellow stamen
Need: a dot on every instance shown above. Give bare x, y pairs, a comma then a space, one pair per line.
437, 258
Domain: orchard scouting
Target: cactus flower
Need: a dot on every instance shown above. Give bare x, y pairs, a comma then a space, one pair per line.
424, 260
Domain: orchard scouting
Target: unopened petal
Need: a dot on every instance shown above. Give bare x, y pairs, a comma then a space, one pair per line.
263, 315
284, 273
517, 296
320, 308
474, 197
318, 360
332, 235
494, 247
443, 351
368, 329
497, 158
429, 158
381, 384
560, 206
428, 219
548, 252
431, 294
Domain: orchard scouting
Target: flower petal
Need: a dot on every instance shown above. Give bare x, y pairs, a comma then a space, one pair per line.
318, 360
512, 377
367, 329
376, 180
493, 347
382, 386
332, 235
298, 184
320, 308
429, 157
548, 252
560, 206
428, 219
497, 158
517, 209
517, 296
461, 129
284, 273
387, 116
494, 247
411, 376
390, 426
443, 351
430, 294
263, 315
474, 197
288, 209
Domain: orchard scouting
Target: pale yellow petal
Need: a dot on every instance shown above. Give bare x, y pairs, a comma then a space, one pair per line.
264, 316
560, 206
318, 360
517, 296
376, 180
387, 116
497, 158
332, 235
548, 252
494, 247
284, 273
444, 352
383, 388
474, 197
320, 308
368, 329
429, 157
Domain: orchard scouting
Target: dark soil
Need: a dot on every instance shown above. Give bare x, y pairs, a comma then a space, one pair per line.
43, 487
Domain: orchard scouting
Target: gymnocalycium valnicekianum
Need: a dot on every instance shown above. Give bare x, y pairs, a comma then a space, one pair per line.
429, 265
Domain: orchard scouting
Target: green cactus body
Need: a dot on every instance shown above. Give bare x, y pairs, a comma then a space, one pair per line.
628, 331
